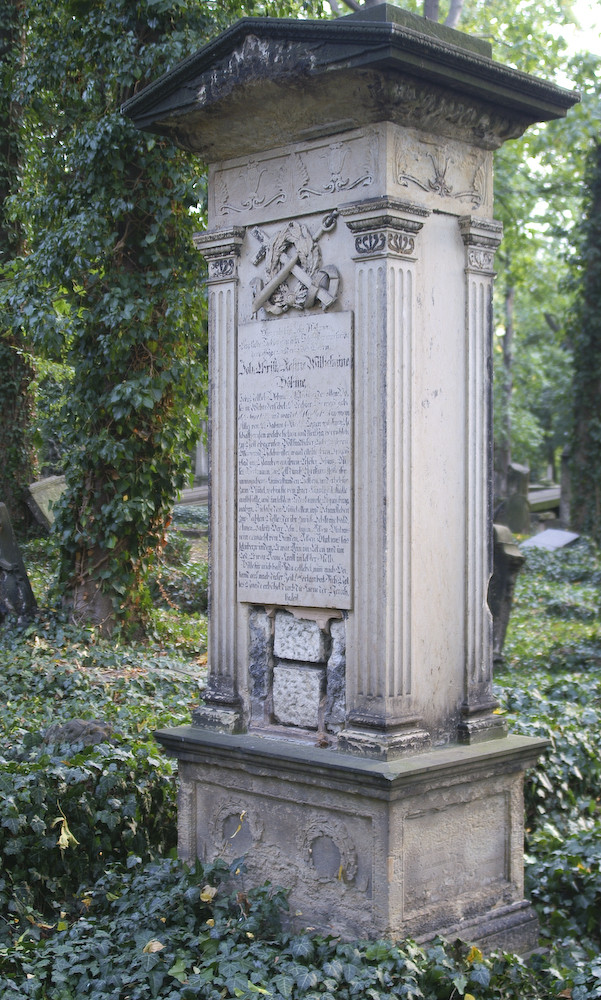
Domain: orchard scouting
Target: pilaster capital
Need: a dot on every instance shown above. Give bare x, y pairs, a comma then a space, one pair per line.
481, 237
221, 250
384, 227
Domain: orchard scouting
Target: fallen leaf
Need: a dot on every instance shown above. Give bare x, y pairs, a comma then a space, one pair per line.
152, 946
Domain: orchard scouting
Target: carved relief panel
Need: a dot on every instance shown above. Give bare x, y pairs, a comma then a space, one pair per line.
446, 174
297, 180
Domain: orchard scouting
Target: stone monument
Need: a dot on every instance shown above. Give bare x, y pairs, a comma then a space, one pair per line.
349, 746
17, 599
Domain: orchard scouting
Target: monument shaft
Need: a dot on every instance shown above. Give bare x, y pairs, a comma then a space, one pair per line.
350, 249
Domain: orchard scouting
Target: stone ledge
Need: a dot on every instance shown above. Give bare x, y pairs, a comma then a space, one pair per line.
380, 779
431, 844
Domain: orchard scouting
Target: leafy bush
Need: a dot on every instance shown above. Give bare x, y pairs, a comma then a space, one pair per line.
552, 688
65, 809
184, 587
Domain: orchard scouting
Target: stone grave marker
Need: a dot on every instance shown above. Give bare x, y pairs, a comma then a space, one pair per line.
349, 717
43, 495
507, 562
16, 596
550, 538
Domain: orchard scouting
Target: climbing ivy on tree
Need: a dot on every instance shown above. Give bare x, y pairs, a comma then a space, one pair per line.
17, 462
112, 284
586, 341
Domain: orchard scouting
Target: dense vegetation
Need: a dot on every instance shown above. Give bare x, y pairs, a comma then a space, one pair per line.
93, 902
98, 275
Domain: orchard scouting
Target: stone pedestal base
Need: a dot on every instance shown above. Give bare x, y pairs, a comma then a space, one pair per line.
406, 848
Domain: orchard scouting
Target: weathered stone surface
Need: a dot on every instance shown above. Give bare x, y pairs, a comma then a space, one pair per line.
259, 650
43, 495
299, 639
86, 731
294, 460
551, 538
367, 849
16, 596
297, 694
335, 710
350, 257
226, 100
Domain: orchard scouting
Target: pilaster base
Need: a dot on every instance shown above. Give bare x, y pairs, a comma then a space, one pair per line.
479, 724
377, 745
413, 847
218, 718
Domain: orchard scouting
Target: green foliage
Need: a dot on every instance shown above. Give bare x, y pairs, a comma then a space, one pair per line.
552, 689
193, 516
66, 811
128, 922
17, 458
52, 388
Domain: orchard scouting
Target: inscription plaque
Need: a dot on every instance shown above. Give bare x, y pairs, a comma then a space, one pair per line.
294, 460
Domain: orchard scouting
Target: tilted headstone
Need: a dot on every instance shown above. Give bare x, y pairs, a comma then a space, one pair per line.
43, 495
16, 596
350, 718
550, 539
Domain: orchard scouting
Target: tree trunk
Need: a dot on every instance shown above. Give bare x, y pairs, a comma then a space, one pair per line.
586, 339
17, 456
454, 15
431, 9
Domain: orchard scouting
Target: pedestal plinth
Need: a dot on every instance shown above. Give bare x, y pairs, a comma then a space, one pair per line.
428, 844
350, 259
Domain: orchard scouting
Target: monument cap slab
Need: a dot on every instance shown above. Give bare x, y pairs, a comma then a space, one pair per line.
226, 99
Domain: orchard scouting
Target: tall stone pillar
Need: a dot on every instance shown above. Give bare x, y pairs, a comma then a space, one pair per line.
349, 745
224, 709
383, 718
481, 239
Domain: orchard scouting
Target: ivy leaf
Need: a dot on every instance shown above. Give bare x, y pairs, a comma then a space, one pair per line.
480, 974
284, 983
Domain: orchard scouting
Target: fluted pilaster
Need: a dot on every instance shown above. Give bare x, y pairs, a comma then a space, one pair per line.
381, 719
481, 239
224, 707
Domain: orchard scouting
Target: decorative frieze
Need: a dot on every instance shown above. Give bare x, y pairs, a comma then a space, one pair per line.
294, 273
448, 170
299, 179
384, 227
221, 250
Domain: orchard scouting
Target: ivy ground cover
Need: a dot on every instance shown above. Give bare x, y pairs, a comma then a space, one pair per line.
94, 904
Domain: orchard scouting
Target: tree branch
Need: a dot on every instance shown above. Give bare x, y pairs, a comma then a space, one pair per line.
454, 14
431, 9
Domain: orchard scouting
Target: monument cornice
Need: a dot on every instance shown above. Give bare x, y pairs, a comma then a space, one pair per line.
365, 68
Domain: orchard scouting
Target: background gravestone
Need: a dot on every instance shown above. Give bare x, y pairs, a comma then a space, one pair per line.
508, 560
350, 719
16, 596
43, 494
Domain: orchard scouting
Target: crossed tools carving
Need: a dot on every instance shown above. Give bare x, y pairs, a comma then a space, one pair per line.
294, 252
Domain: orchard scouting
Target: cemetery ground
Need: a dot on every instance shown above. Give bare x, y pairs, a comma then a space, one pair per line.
93, 901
